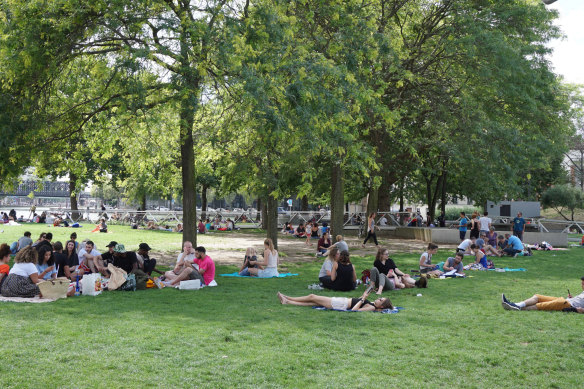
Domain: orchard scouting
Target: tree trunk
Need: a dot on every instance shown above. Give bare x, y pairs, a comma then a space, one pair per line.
73, 196
337, 200
272, 220
443, 194
264, 215
304, 204
383, 194
372, 200
204, 202
188, 172
143, 201
259, 209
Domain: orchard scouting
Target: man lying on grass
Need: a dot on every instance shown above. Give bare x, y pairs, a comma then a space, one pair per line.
340, 303
546, 303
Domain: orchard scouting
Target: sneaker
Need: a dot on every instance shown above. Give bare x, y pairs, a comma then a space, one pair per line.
504, 299
510, 307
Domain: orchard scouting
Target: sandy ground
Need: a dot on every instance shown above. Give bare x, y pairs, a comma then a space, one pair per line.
230, 250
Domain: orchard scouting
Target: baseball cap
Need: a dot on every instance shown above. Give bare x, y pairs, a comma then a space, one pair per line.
144, 246
112, 244
119, 248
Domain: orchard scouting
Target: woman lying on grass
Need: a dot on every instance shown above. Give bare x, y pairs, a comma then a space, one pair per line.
340, 303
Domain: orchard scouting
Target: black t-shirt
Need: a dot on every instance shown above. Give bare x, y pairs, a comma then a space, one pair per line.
61, 261
300, 230
384, 269
126, 262
354, 302
107, 258
344, 279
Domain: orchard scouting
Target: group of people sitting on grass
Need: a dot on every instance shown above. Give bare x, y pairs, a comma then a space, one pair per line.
338, 273
253, 267
44, 260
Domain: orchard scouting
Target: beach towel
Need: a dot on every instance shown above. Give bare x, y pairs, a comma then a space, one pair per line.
394, 310
281, 275
505, 269
26, 300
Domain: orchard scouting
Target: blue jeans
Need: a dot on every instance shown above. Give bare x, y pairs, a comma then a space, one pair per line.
13, 247
244, 272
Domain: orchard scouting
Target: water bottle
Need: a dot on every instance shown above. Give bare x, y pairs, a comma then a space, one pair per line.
77, 290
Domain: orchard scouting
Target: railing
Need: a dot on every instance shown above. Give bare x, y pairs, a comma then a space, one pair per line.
249, 219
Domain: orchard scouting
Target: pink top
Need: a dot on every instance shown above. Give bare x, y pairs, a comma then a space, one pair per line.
208, 265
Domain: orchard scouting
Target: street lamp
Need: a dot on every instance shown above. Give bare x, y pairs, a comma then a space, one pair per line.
548, 2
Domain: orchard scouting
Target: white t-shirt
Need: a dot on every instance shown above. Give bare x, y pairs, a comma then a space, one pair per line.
189, 257
82, 252
465, 245
383, 221
23, 269
326, 266
485, 221
576, 301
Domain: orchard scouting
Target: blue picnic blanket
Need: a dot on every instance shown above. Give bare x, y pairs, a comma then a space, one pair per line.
508, 269
394, 310
281, 275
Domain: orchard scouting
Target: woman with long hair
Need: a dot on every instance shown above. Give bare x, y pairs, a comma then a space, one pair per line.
340, 303
23, 277
46, 264
371, 230
270, 262
327, 266
343, 275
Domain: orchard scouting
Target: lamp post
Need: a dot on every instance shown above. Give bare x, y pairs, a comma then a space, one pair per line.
548, 2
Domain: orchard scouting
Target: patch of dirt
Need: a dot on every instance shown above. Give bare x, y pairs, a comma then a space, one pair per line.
231, 251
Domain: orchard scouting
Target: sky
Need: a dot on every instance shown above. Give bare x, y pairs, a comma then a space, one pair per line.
568, 56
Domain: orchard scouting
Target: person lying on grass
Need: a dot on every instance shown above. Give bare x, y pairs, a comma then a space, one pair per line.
340, 303
539, 302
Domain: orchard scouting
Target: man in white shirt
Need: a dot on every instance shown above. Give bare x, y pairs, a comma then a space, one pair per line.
485, 223
464, 246
539, 302
184, 260
90, 259
383, 221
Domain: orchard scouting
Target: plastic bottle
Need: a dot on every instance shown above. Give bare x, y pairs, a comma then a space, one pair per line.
77, 290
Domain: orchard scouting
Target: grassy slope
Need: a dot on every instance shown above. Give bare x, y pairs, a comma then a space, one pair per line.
238, 334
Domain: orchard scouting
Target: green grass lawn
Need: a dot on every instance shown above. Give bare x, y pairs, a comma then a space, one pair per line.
238, 335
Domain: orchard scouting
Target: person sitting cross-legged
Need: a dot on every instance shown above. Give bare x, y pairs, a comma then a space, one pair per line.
539, 302
269, 265
184, 260
454, 264
205, 271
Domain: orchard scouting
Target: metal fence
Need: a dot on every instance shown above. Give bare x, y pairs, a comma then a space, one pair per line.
252, 219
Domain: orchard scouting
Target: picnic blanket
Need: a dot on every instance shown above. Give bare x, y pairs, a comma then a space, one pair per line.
281, 275
26, 300
498, 269
394, 310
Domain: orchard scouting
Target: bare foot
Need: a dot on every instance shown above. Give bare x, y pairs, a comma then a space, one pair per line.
281, 298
